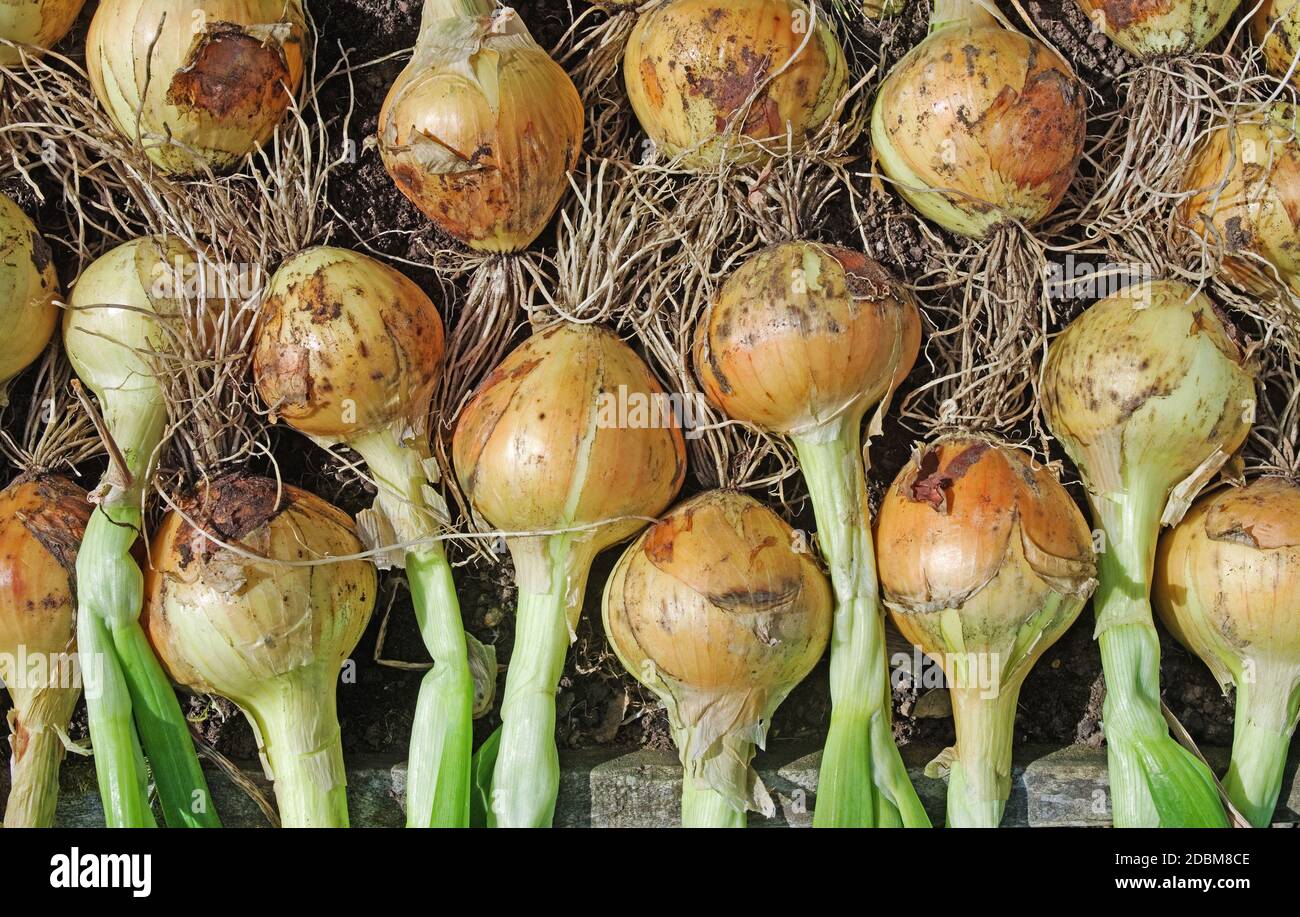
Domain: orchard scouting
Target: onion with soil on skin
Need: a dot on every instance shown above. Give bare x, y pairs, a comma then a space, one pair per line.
42, 520
1276, 29
713, 81
1226, 582
28, 290
985, 561
269, 631
40, 24
569, 447
803, 340
1150, 394
199, 84
1151, 30
715, 610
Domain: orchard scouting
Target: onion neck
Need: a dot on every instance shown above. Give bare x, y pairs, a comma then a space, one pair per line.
1264, 723
945, 13
436, 11
1130, 524
705, 807
37, 751
979, 781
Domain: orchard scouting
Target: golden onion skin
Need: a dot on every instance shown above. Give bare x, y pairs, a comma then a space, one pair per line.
1151, 28
481, 129
28, 290
1247, 200
348, 345
533, 449
715, 610
803, 333
992, 116
1276, 29
219, 80
39, 23
691, 65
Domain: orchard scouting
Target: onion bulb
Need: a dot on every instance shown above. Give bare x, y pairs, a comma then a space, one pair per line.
569, 447
1246, 201
701, 74
1149, 30
802, 340
1226, 584
715, 610
349, 352
42, 519
979, 126
28, 289
269, 631
1276, 28
198, 83
1150, 394
985, 561
482, 127
39, 23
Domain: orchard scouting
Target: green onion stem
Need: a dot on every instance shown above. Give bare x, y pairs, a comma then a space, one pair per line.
979, 779
1262, 730
34, 780
436, 10
863, 781
705, 807
1154, 781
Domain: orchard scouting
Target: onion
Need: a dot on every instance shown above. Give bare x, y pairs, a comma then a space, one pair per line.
715, 610
699, 73
1226, 583
481, 128
544, 452
802, 340
1149, 30
1276, 28
42, 519
979, 125
28, 289
985, 561
349, 352
39, 23
198, 83
1246, 179
116, 321
270, 632
1149, 394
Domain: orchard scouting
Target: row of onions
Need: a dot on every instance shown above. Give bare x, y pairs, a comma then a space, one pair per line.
259, 591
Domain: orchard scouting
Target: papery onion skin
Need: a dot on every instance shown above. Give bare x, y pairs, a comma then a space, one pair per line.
348, 345
993, 117
1276, 29
1247, 179
804, 333
1151, 28
691, 65
268, 636
481, 129
28, 290
42, 519
1226, 584
219, 79
715, 610
38, 23
985, 561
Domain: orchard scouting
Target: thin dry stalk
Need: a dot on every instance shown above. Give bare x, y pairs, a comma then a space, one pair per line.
56, 436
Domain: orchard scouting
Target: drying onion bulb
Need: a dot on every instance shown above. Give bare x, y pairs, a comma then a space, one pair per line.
28, 288
39, 23
979, 125
1247, 201
269, 631
198, 83
1276, 28
715, 610
696, 69
1151, 29
481, 128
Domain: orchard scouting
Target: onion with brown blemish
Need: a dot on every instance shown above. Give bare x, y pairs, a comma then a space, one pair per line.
712, 80
1227, 577
251, 596
718, 610
1152, 28
1276, 29
568, 447
42, 520
985, 561
199, 84
803, 340
28, 289
36, 23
